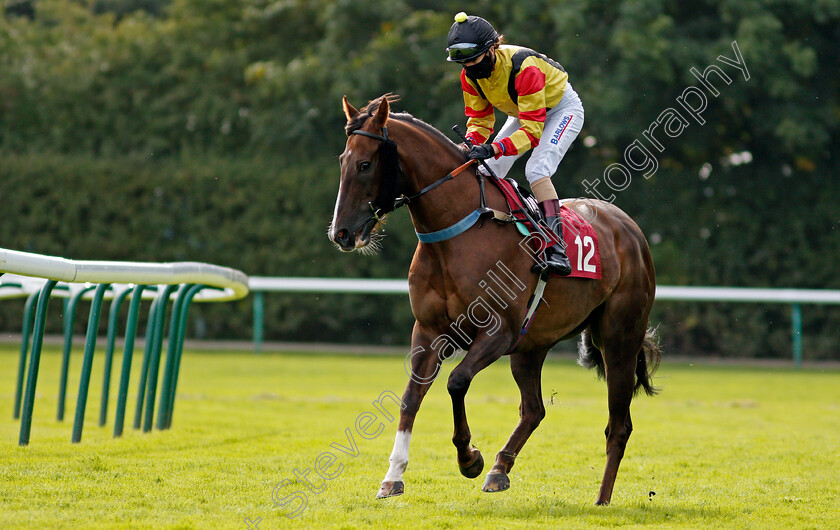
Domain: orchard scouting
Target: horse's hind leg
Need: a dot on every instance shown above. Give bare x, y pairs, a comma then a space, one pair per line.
527, 371
619, 335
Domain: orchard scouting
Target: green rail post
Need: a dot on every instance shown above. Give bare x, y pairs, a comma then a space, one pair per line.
69, 321
87, 362
147, 356
154, 364
171, 354
796, 334
28, 313
34, 361
182, 331
113, 317
259, 320
128, 352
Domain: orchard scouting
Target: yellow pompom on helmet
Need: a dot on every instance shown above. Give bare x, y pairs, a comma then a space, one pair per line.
469, 37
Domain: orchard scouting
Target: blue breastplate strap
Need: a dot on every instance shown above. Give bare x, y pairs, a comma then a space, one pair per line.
447, 233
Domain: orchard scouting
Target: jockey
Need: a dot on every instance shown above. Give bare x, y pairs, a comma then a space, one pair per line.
544, 113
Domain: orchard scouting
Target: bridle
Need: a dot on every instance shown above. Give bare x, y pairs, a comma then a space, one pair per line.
396, 200
464, 224
390, 198
393, 175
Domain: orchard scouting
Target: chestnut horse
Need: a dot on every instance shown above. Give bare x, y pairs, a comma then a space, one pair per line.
395, 155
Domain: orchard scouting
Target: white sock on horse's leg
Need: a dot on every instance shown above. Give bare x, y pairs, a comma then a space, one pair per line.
399, 456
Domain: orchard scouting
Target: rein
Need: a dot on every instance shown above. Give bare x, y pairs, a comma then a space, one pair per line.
452, 174
388, 149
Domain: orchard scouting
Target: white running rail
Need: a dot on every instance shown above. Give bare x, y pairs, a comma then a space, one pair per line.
230, 284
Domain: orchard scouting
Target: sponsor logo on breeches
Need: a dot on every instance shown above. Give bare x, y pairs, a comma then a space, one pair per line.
558, 132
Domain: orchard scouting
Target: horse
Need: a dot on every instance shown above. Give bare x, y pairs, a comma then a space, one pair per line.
395, 158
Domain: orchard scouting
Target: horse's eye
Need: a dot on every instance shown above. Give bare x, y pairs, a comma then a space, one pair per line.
364, 166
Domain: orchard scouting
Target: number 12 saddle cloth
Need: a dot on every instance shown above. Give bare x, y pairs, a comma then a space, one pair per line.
580, 239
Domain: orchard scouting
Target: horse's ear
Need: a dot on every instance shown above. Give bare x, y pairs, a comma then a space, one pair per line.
382, 112
349, 110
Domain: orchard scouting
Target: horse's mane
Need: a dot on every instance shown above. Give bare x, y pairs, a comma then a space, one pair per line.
364, 114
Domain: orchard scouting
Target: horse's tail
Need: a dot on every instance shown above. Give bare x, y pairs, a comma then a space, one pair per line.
589, 356
648, 362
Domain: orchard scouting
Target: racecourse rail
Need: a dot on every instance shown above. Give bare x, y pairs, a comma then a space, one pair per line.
37, 278
40, 277
796, 298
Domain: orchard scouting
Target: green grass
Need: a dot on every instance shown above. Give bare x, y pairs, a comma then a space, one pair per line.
720, 447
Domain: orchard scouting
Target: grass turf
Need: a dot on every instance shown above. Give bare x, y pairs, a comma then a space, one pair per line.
720, 447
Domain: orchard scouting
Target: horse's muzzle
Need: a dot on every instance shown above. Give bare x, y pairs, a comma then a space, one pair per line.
349, 240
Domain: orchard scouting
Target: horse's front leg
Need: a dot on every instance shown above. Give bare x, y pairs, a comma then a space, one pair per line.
424, 369
484, 351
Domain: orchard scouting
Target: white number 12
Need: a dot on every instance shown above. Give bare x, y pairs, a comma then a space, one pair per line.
583, 263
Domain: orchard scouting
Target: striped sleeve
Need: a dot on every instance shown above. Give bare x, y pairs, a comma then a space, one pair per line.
530, 88
481, 116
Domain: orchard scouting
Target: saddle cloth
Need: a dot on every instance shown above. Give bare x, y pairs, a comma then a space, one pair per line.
580, 239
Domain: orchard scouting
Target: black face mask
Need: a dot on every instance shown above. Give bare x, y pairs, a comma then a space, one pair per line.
480, 70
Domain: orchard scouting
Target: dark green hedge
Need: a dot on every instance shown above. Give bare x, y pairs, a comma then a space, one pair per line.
265, 217
268, 217
208, 130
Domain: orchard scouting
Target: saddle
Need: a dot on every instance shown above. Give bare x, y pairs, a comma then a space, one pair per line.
579, 237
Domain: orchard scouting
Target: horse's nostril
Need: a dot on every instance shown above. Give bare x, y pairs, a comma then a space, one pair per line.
342, 236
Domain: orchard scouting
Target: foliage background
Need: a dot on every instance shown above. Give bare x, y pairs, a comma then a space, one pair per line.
209, 130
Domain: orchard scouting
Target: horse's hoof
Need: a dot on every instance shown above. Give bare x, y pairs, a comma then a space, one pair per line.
391, 488
495, 482
599, 502
473, 470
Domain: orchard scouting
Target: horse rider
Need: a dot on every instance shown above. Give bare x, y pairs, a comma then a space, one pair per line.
544, 113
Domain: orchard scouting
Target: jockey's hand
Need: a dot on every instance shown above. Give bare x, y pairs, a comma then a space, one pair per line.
481, 152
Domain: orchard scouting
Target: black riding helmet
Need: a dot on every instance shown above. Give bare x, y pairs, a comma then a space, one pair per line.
469, 37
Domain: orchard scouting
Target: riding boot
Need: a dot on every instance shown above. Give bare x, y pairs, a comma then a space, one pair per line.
555, 256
